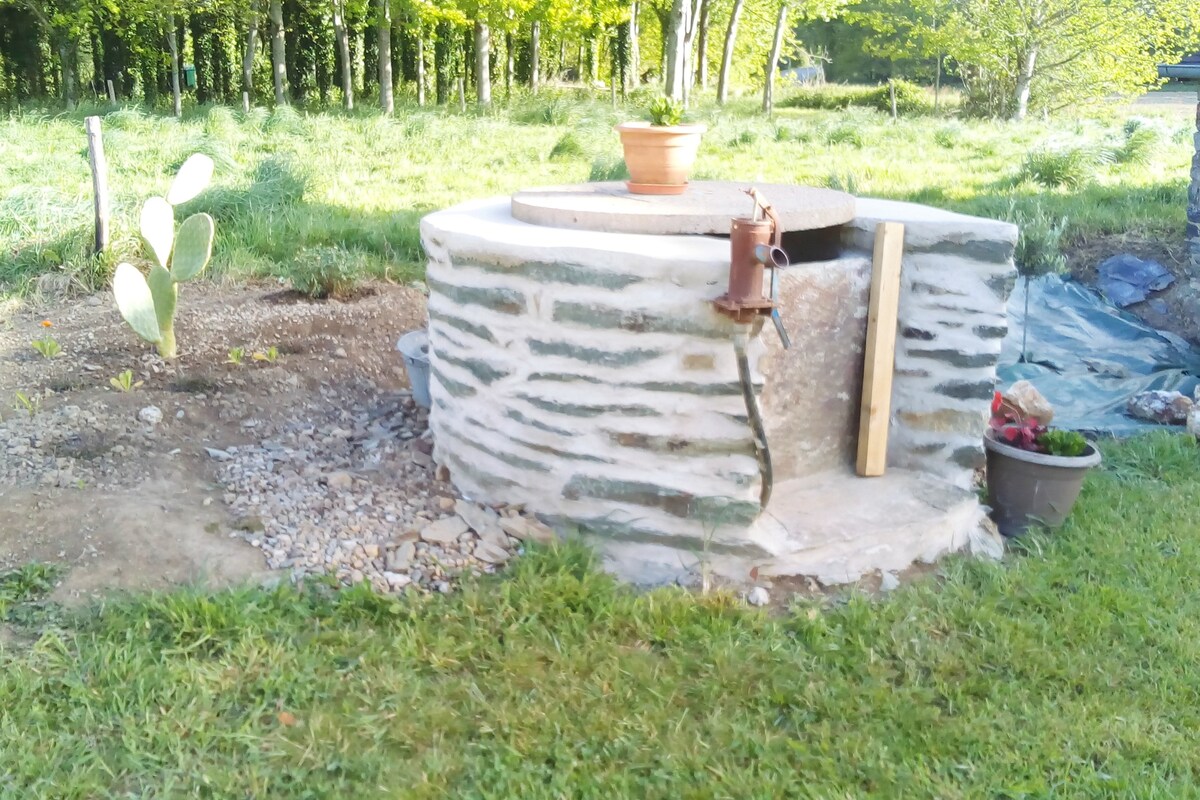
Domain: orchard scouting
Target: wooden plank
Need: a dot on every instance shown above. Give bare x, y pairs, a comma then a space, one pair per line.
95, 140
881, 350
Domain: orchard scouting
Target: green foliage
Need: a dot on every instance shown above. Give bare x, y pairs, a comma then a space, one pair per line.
608, 168
848, 133
1063, 443
30, 404
47, 347
1068, 664
236, 356
1064, 166
324, 272
1142, 139
270, 355
1039, 245
148, 303
665, 112
124, 382
567, 146
949, 136
25, 585
911, 99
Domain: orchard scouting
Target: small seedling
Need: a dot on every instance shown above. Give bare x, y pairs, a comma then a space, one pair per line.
22, 402
236, 355
48, 347
124, 382
270, 355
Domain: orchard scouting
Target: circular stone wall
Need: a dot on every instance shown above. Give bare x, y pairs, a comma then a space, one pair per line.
586, 374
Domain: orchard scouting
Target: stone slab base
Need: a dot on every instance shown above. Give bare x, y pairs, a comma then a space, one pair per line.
835, 527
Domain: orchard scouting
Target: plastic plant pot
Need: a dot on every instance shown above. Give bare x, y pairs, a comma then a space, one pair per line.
1025, 488
414, 347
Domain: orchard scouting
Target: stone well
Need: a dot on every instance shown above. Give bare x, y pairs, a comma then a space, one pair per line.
579, 367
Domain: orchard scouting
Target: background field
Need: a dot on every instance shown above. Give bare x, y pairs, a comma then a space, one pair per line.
360, 182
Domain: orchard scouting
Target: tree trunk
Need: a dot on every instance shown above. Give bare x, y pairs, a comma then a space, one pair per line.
342, 42
773, 61
278, 52
173, 47
1025, 82
420, 64
483, 73
387, 99
727, 52
702, 45
67, 52
251, 46
510, 63
675, 50
635, 56
535, 50
443, 51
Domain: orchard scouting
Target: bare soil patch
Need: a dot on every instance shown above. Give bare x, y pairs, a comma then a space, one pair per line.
129, 504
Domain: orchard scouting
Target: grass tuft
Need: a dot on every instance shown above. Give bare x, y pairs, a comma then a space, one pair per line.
1064, 166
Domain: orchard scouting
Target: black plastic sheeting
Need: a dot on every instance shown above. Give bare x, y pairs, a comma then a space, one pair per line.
1088, 357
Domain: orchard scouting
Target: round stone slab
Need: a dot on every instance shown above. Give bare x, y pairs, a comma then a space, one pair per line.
705, 208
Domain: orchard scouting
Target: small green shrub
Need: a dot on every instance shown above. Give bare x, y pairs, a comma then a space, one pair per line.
665, 112
747, 138
847, 182
910, 98
284, 119
324, 272
608, 168
220, 123
1039, 245
1142, 138
1063, 443
949, 136
848, 134
1067, 166
567, 146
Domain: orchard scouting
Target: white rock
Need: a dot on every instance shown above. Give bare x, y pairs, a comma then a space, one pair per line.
484, 521
527, 530
490, 553
444, 531
151, 415
888, 582
339, 480
402, 557
396, 580
219, 455
1030, 402
758, 596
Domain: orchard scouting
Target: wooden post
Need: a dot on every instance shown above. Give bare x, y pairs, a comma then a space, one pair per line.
246, 102
462, 94
112, 93
880, 357
892, 92
99, 180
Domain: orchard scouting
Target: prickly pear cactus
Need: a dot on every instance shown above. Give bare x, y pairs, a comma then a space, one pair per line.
147, 302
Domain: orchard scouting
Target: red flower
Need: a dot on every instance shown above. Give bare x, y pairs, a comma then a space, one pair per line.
997, 399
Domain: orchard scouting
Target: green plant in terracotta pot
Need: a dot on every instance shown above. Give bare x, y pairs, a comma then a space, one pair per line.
659, 153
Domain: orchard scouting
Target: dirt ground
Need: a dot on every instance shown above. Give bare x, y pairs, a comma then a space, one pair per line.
127, 504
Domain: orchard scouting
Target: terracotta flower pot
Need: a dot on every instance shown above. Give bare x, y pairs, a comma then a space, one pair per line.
1025, 487
659, 158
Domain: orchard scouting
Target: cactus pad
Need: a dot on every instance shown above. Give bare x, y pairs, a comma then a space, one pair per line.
135, 302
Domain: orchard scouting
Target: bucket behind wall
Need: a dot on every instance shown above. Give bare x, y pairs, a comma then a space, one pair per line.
414, 346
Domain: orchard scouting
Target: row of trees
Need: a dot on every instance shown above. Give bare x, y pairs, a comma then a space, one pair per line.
1010, 55
326, 50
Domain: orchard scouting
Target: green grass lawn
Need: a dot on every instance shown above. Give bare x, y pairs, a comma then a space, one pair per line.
288, 180
1072, 669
